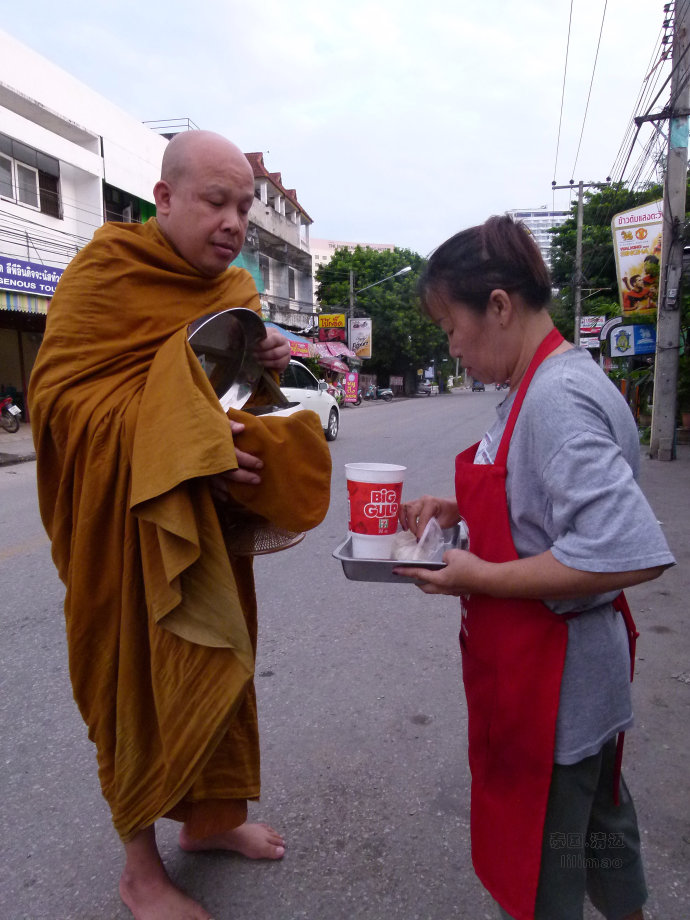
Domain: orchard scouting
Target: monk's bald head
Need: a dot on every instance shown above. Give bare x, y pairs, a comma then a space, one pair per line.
203, 199
186, 149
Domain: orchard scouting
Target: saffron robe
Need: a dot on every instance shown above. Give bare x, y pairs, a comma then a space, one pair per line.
160, 619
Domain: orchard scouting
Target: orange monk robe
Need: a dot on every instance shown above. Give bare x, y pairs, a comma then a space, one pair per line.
161, 622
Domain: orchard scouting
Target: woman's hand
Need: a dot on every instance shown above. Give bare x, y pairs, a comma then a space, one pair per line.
415, 515
246, 472
464, 573
273, 351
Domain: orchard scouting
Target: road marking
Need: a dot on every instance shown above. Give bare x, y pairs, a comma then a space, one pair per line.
19, 549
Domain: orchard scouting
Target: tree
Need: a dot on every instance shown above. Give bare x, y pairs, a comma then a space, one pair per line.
403, 339
600, 280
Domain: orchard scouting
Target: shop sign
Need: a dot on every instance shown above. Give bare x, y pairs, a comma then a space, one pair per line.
627, 341
359, 335
332, 327
591, 325
28, 277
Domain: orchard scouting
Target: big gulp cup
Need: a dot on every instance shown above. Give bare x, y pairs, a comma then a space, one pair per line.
373, 492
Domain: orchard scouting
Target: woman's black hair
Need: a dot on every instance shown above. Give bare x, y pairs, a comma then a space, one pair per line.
500, 253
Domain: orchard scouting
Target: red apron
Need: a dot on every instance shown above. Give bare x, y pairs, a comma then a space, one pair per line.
513, 652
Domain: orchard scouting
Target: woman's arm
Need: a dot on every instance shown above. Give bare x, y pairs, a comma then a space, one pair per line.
541, 577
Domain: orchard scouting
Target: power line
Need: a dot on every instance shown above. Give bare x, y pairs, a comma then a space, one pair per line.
565, 71
589, 94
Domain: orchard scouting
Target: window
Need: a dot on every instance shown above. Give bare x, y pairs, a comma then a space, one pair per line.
29, 177
265, 269
291, 283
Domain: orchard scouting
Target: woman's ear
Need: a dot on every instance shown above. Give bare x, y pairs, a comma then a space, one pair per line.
500, 306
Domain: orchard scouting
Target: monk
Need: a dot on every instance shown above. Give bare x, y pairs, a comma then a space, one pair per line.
140, 472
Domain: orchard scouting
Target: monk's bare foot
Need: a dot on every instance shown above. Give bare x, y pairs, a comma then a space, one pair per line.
146, 889
159, 900
255, 841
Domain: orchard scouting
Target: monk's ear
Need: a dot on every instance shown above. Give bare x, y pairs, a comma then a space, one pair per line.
161, 195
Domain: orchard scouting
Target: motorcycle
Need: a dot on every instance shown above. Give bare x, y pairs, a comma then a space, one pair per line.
501, 386
9, 414
373, 392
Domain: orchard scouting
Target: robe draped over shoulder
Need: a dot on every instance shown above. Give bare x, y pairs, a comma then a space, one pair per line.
161, 620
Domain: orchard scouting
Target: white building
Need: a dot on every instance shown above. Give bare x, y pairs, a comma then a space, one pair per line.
69, 160
322, 251
540, 222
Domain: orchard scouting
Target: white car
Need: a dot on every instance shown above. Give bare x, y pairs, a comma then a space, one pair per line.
299, 385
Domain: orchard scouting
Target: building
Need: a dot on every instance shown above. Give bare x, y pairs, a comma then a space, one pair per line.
69, 160
322, 250
277, 250
540, 222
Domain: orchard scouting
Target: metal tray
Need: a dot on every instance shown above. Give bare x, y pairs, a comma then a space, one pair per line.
381, 570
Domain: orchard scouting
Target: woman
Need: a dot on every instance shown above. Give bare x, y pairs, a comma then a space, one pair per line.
558, 527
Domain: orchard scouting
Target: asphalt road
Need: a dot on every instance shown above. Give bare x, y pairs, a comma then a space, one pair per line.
363, 728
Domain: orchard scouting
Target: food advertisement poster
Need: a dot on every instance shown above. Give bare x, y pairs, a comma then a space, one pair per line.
360, 336
637, 245
332, 327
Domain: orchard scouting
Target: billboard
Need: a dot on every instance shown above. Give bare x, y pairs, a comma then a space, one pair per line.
332, 327
637, 245
359, 335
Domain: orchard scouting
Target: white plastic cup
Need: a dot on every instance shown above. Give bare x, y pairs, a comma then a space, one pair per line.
374, 491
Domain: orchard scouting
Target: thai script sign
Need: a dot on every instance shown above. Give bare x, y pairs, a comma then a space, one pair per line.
28, 277
332, 327
637, 245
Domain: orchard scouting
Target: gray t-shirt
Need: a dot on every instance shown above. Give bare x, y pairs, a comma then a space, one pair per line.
571, 486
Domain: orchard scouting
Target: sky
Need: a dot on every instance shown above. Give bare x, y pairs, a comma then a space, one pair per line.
397, 121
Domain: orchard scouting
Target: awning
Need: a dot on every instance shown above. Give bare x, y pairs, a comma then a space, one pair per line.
334, 364
299, 346
23, 303
331, 349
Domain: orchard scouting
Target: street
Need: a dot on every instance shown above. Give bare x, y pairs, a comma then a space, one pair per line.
362, 715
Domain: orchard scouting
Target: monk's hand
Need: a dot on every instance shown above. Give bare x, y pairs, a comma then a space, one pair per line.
247, 470
415, 515
273, 351
463, 574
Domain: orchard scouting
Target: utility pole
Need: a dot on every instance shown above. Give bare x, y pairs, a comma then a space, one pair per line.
662, 441
578, 278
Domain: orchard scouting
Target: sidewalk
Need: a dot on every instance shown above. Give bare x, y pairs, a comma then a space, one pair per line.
17, 447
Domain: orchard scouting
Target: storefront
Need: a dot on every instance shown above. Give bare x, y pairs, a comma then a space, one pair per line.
25, 292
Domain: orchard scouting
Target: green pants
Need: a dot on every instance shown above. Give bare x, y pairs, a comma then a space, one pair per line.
590, 844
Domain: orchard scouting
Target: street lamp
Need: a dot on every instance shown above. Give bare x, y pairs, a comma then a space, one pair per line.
402, 271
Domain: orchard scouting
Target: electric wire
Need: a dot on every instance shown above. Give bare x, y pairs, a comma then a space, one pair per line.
565, 72
589, 94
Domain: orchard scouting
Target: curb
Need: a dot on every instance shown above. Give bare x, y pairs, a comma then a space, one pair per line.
11, 459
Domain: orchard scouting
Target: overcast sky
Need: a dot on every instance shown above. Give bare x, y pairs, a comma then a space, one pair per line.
396, 121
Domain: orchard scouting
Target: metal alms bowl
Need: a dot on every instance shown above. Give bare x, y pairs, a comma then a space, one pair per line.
224, 342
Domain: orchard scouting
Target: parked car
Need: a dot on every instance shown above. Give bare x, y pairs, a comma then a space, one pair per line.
299, 385
423, 388
477, 386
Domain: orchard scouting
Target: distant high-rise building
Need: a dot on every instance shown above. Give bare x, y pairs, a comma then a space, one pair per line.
540, 222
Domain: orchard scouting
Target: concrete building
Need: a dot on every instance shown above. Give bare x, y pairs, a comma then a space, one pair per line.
539, 221
69, 160
322, 250
277, 250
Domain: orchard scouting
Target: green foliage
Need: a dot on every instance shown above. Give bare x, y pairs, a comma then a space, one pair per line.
403, 339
